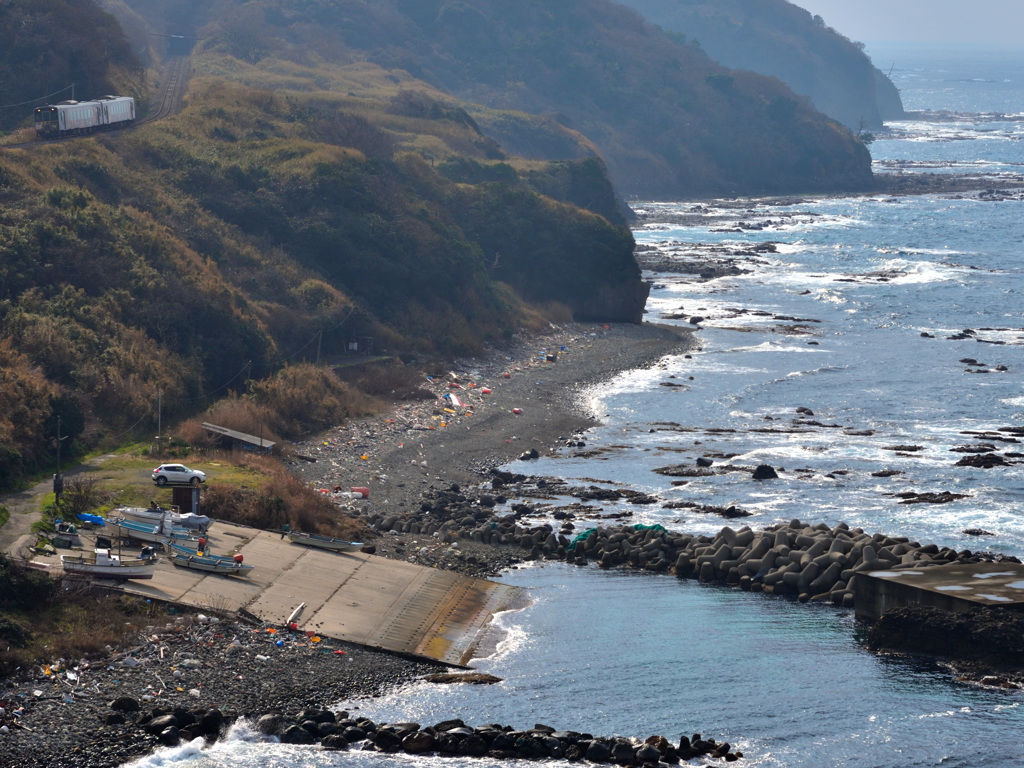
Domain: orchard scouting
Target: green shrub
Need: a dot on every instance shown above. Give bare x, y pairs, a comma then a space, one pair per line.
22, 588
13, 632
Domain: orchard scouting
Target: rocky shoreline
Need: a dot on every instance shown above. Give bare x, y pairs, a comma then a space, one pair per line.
197, 677
191, 676
527, 397
438, 498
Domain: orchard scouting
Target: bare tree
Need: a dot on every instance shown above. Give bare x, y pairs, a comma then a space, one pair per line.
80, 495
246, 36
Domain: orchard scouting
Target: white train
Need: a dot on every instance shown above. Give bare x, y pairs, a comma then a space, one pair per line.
75, 118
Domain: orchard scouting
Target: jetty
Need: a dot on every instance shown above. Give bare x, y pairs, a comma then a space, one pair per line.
364, 599
958, 587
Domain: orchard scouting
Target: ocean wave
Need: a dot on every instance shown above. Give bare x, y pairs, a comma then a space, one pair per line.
239, 739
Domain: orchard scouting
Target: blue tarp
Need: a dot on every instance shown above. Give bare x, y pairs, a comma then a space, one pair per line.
85, 517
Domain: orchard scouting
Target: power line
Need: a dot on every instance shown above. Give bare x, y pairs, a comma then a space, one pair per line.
131, 428
318, 334
40, 98
206, 395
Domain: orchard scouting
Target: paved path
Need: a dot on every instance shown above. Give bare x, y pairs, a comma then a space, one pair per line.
16, 537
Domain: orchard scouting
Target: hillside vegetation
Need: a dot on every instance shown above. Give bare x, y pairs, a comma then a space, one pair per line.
668, 121
346, 172
255, 230
777, 38
46, 46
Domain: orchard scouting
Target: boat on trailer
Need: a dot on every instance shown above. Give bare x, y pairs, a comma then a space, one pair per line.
104, 564
156, 515
324, 542
162, 533
212, 564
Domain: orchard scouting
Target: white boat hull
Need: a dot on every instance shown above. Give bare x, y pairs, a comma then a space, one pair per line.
156, 517
156, 534
111, 567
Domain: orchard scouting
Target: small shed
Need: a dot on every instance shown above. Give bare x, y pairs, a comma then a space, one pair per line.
241, 440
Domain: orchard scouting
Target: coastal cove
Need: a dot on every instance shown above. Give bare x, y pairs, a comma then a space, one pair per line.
861, 346
858, 344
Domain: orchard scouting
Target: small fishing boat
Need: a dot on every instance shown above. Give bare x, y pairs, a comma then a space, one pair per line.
104, 564
156, 515
212, 564
161, 533
181, 549
324, 542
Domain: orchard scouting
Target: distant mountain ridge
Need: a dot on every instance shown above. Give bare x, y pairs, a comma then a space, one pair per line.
777, 38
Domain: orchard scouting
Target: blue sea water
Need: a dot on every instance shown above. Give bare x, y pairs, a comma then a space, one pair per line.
832, 320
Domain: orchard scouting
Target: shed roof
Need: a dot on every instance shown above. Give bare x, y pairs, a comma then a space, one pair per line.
253, 440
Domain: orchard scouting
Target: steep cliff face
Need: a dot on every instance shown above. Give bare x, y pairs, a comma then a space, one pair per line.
775, 37
887, 95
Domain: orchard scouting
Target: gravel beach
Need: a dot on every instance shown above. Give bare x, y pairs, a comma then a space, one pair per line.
526, 397
207, 671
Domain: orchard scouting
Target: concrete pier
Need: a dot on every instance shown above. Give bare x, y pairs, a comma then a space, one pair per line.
949, 587
373, 601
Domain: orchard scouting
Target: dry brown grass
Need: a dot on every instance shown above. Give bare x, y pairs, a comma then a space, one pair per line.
539, 317
389, 380
281, 499
80, 622
301, 399
238, 413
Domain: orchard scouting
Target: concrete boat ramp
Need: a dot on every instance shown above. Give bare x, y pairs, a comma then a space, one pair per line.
364, 599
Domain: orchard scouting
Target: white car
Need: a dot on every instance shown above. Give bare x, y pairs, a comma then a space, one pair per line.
177, 473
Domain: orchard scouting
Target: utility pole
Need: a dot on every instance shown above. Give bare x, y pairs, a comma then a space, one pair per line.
159, 420
58, 479
319, 341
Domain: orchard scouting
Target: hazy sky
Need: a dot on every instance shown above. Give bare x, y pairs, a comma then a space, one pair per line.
993, 22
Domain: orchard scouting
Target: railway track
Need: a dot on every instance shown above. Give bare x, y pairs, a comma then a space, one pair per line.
172, 89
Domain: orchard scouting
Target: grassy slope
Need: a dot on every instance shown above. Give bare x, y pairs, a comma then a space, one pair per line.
268, 223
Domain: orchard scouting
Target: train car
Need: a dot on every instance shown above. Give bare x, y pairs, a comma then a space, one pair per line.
76, 118
68, 117
118, 111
